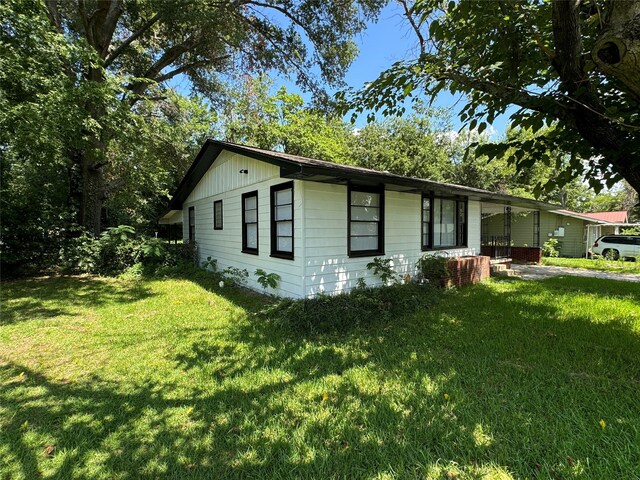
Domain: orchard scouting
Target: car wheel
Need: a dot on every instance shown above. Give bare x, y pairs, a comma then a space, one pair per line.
611, 253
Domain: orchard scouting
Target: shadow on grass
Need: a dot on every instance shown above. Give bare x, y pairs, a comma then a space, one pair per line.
526, 385
50, 297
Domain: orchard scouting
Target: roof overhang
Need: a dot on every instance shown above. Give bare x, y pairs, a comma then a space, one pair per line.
307, 169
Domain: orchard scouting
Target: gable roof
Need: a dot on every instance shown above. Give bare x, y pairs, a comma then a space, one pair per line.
302, 168
597, 217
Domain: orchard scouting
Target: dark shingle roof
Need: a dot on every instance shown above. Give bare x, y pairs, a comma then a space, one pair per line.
302, 168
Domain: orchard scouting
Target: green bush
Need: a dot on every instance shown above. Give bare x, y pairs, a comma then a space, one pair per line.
433, 269
550, 248
118, 249
359, 307
382, 268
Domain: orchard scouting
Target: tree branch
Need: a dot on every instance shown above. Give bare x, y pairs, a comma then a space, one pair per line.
189, 66
568, 44
132, 38
54, 14
539, 103
414, 26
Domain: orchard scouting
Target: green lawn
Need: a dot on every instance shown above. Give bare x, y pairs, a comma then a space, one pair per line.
594, 264
113, 379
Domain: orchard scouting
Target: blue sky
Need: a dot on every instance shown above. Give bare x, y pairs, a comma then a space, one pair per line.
381, 44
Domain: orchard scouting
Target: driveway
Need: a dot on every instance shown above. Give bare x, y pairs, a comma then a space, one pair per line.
539, 272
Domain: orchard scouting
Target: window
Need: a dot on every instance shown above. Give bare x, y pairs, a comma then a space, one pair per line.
365, 222
192, 224
250, 222
217, 215
444, 223
282, 220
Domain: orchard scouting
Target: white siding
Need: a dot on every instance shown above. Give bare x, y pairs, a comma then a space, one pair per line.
329, 269
224, 182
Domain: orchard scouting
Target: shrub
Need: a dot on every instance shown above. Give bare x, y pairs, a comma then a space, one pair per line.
267, 279
235, 275
118, 249
550, 248
382, 268
433, 269
359, 307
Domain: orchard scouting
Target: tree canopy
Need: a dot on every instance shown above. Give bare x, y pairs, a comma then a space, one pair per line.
79, 72
572, 65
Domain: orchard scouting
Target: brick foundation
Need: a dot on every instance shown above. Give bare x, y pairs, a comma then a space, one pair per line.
526, 254
464, 270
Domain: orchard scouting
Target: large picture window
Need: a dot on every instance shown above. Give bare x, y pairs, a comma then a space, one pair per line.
192, 224
444, 223
250, 222
217, 215
365, 222
282, 220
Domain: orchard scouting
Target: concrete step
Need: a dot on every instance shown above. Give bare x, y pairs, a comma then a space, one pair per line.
505, 273
499, 267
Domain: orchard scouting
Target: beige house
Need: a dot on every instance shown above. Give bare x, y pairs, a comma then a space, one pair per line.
574, 231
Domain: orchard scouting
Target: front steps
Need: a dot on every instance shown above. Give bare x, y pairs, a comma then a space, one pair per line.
503, 270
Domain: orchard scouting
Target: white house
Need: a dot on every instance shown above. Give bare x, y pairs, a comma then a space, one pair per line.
317, 224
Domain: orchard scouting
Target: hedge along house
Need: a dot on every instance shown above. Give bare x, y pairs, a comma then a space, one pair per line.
575, 232
317, 224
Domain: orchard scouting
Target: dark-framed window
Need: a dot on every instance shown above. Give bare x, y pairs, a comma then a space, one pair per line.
444, 222
192, 224
250, 222
217, 215
365, 222
282, 220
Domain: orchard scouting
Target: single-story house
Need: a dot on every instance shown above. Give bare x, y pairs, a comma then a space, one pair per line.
574, 231
317, 224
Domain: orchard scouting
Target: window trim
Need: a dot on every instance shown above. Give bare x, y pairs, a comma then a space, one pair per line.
191, 236
366, 189
245, 249
274, 224
221, 227
431, 196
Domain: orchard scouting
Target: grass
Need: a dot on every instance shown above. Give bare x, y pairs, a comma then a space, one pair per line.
114, 378
601, 264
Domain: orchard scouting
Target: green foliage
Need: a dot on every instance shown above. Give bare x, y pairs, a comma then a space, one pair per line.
382, 268
267, 280
358, 308
235, 276
551, 248
630, 230
282, 122
361, 283
119, 249
495, 55
433, 269
210, 264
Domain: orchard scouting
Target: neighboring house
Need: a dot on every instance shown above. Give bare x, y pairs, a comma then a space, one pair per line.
574, 231
317, 224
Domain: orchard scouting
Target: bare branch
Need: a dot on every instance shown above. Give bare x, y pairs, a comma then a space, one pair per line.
132, 38
190, 66
416, 29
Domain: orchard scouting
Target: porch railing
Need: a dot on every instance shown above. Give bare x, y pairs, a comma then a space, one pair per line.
497, 246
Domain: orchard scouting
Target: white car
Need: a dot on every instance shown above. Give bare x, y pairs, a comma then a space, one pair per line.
617, 246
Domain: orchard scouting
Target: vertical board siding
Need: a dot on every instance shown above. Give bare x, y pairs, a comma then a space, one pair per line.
224, 182
329, 269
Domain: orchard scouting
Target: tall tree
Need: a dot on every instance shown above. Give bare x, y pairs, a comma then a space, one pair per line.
283, 122
122, 51
574, 64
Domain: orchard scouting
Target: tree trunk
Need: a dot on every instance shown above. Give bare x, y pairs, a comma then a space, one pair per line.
91, 196
617, 50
